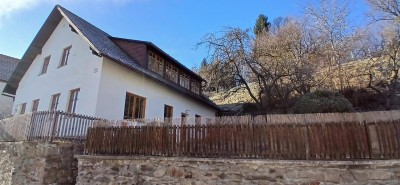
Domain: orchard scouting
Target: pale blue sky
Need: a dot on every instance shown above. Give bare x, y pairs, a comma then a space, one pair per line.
173, 25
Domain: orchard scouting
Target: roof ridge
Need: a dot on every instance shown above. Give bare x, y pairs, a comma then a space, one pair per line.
127, 39
10, 57
69, 12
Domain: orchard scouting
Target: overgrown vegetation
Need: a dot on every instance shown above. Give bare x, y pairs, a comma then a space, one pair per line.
322, 101
277, 62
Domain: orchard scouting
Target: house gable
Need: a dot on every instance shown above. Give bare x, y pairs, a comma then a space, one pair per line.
101, 45
80, 70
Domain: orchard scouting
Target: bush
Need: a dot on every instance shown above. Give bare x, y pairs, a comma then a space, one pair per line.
322, 101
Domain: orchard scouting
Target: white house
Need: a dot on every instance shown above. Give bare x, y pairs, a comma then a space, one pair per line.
7, 66
74, 66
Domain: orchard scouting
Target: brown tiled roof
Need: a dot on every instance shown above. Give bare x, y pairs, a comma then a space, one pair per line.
7, 66
99, 41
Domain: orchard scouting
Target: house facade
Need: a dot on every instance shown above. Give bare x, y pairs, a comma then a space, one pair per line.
73, 66
7, 66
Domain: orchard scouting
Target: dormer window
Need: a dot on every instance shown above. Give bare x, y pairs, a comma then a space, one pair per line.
45, 65
184, 80
65, 56
156, 63
195, 87
171, 72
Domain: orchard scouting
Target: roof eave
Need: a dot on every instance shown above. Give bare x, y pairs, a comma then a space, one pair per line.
197, 97
155, 47
79, 32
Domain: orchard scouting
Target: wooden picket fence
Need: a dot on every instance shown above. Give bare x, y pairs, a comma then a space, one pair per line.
252, 139
58, 125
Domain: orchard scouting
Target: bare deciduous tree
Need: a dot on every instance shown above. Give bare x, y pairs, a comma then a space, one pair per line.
385, 10
232, 52
286, 63
330, 20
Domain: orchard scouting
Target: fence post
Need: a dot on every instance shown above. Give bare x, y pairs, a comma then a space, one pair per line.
54, 125
31, 127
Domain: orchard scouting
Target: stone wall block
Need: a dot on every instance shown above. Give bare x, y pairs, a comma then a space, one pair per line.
380, 175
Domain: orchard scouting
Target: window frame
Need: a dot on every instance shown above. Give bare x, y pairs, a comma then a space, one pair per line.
186, 83
171, 72
184, 117
45, 65
141, 114
197, 118
168, 111
195, 87
35, 105
23, 108
65, 56
156, 63
55, 98
72, 100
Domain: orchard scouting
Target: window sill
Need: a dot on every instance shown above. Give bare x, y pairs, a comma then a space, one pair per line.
60, 66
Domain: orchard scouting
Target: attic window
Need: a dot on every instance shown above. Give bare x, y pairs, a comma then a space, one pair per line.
65, 56
184, 80
156, 63
195, 87
171, 72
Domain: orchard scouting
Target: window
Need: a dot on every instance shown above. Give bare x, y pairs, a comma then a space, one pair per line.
156, 63
184, 80
168, 111
171, 72
134, 106
73, 99
54, 101
65, 55
45, 65
35, 105
197, 119
184, 118
195, 87
23, 107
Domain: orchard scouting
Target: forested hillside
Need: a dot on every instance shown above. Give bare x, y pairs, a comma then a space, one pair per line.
276, 63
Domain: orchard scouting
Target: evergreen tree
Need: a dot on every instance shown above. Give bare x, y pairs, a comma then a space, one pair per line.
262, 24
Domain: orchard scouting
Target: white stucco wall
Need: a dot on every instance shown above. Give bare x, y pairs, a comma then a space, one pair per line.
6, 103
103, 84
116, 80
82, 71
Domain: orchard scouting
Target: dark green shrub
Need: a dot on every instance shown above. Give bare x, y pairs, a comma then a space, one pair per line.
322, 101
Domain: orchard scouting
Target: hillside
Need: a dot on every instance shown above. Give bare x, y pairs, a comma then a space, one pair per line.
355, 74
233, 96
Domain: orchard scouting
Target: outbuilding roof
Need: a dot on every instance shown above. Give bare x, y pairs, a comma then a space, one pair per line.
7, 66
100, 43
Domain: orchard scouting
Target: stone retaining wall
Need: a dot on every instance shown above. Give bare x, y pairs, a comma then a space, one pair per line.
38, 163
161, 170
